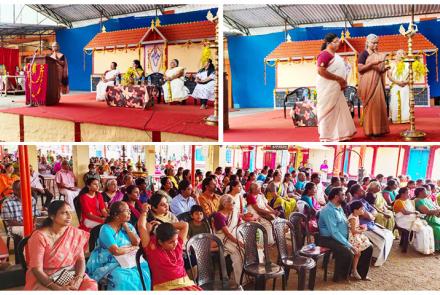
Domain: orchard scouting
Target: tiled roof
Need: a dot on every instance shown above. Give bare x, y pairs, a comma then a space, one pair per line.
184, 31
387, 43
187, 31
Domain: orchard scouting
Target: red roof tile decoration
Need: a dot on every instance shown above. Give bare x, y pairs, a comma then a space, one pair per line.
311, 48
172, 33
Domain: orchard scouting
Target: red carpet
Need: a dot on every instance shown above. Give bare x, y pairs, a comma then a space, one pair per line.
83, 108
272, 127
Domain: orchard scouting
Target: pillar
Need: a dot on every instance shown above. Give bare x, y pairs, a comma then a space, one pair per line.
81, 160
150, 159
213, 160
33, 156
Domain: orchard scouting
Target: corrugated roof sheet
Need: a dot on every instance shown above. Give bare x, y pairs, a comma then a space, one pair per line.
311, 48
257, 16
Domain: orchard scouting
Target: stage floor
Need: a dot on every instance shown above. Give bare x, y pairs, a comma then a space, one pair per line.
95, 121
270, 126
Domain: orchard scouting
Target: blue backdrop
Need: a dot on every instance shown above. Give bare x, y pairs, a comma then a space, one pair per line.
246, 55
72, 41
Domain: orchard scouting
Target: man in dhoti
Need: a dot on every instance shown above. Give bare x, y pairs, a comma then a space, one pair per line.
66, 183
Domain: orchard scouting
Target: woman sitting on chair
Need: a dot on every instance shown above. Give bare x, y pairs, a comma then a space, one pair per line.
108, 79
205, 80
133, 74
116, 243
58, 248
174, 88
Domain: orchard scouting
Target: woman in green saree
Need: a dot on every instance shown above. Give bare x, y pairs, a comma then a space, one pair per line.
426, 206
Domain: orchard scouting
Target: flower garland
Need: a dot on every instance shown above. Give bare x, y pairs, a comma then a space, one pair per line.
39, 79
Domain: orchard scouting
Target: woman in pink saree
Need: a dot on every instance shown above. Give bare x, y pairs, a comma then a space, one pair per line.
334, 119
55, 248
371, 90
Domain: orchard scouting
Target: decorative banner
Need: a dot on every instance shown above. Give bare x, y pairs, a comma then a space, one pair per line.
154, 55
36, 84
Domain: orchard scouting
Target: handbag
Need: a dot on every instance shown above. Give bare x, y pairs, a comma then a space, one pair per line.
64, 276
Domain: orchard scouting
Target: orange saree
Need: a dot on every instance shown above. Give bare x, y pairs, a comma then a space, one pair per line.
372, 93
63, 253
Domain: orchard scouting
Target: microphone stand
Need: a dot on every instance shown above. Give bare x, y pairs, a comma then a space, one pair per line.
32, 103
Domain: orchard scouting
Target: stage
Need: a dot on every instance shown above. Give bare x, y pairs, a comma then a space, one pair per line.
80, 118
270, 126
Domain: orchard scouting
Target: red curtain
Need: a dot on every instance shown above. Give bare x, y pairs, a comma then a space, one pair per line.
9, 58
246, 160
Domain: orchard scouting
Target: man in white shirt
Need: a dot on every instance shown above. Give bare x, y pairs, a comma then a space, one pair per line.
66, 182
38, 189
320, 195
184, 200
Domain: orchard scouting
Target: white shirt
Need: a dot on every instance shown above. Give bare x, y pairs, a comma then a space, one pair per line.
35, 181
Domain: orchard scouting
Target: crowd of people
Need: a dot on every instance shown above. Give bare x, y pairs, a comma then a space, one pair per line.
357, 219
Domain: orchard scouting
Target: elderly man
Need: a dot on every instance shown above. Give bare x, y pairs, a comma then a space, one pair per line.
66, 183
38, 189
12, 210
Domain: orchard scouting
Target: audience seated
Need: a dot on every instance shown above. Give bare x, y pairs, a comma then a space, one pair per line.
93, 211
184, 200
164, 251
209, 200
111, 193
160, 210
7, 178
426, 206
58, 247
66, 182
114, 255
333, 230
131, 197
38, 189
12, 211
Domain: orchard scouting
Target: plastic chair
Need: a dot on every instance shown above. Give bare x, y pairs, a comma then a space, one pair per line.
251, 266
140, 254
94, 236
294, 260
20, 253
353, 99
298, 94
300, 224
185, 216
200, 246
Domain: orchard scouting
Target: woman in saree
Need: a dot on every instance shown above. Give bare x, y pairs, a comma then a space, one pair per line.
174, 88
258, 206
63, 72
309, 206
390, 191
131, 197
334, 119
371, 66
226, 221
432, 213
108, 79
406, 215
111, 192
384, 215
133, 74
93, 210
277, 197
164, 251
160, 209
118, 241
205, 80
55, 247
399, 89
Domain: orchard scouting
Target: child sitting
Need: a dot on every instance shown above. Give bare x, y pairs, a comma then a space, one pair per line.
164, 252
197, 225
356, 236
